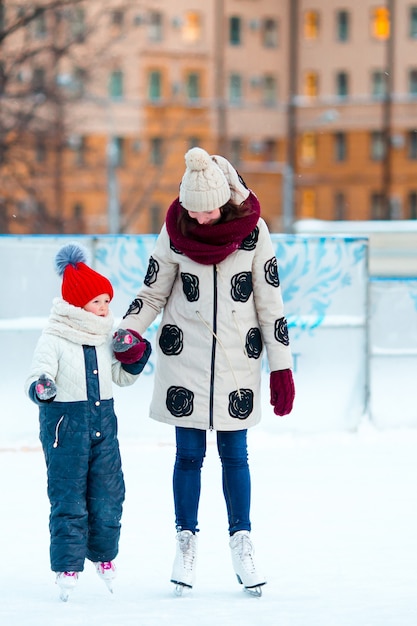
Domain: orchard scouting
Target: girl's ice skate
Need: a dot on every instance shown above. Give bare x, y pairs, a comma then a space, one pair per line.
66, 582
107, 572
243, 563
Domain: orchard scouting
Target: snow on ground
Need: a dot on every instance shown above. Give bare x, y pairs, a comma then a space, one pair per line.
334, 525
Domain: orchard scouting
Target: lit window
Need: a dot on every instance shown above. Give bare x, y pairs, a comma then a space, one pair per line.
308, 203
235, 88
308, 148
270, 33
380, 23
342, 25
413, 22
340, 147
311, 25
155, 26
235, 31
379, 84
342, 84
116, 84
311, 84
377, 145
269, 90
154, 85
193, 86
191, 30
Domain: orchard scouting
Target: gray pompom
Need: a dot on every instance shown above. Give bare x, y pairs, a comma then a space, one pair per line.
70, 254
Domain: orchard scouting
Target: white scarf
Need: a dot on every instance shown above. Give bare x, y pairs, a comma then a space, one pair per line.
77, 325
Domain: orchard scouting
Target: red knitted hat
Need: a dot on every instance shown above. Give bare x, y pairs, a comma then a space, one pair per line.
80, 283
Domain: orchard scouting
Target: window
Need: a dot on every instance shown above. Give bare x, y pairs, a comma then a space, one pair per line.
78, 25
308, 148
235, 31
117, 18
377, 145
412, 205
342, 25
155, 218
377, 206
2, 16
156, 154
308, 203
117, 151
39, 24
342, 84
116, 85
193, 86
78, 82
413, 22
340, 206
379, 85
270, 33
194, 142
235, 88
155, 26
38, 80
236, 148
270, 146
412, 144
154, 85
311, 25
311, 84
412, 82
380, 23
191, 30
40, 150
340, 147
79, 151
269, 90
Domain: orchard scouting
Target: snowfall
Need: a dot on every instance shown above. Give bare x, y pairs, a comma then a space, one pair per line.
334, 524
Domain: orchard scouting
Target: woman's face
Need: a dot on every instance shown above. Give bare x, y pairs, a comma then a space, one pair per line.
205, 217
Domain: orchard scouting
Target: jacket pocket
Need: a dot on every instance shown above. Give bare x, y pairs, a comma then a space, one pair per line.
53, 425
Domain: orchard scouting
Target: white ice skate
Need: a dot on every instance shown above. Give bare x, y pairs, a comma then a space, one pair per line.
243, 563
183, 570
66, 582
106, 570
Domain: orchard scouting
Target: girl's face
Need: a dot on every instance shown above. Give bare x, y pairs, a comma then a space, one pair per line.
99, 305
205, 217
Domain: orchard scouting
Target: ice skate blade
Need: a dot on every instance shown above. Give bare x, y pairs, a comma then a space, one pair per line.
64, 595
181, 589
255, 592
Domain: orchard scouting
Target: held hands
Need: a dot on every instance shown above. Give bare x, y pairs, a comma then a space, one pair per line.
129, 347
45, 388
282, 388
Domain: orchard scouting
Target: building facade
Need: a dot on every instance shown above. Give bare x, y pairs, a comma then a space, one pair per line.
315, 103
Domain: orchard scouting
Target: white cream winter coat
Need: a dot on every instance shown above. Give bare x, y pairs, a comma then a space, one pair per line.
216, 320
59, 353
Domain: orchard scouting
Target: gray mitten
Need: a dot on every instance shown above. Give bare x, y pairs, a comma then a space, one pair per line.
45, 388
123, 340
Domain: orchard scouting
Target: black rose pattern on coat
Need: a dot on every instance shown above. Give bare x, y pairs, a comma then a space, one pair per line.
241, 286
271, 272
152, 272
241, 403
253, 343
134, 308
171, 340
190, 286
281, 331
180, 401
173, 248
249, 243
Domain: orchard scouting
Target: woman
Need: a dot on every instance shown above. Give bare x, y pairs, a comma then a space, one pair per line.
214, 275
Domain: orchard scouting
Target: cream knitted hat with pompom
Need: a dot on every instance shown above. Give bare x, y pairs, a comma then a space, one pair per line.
204, 186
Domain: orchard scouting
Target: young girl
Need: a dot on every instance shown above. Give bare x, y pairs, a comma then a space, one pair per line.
214, 274
71, 380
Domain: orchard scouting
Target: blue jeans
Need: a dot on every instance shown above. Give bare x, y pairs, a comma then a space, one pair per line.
191, 450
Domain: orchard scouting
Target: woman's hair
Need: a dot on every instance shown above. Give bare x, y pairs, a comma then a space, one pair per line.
228, 211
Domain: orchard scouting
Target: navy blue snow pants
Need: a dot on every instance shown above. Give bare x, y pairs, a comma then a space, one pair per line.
85, 482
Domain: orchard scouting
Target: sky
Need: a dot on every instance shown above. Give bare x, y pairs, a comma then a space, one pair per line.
334, 519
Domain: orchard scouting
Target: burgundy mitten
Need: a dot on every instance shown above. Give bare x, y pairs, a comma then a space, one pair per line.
128, 346
281, 384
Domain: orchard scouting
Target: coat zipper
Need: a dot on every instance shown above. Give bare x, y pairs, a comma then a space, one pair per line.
213, 346
55, 444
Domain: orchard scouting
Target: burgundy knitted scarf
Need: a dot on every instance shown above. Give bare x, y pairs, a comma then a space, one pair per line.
211, 244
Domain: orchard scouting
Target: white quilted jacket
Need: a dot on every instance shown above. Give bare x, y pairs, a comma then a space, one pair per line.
59, 353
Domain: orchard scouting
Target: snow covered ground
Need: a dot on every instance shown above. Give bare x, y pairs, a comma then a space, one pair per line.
334, 525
